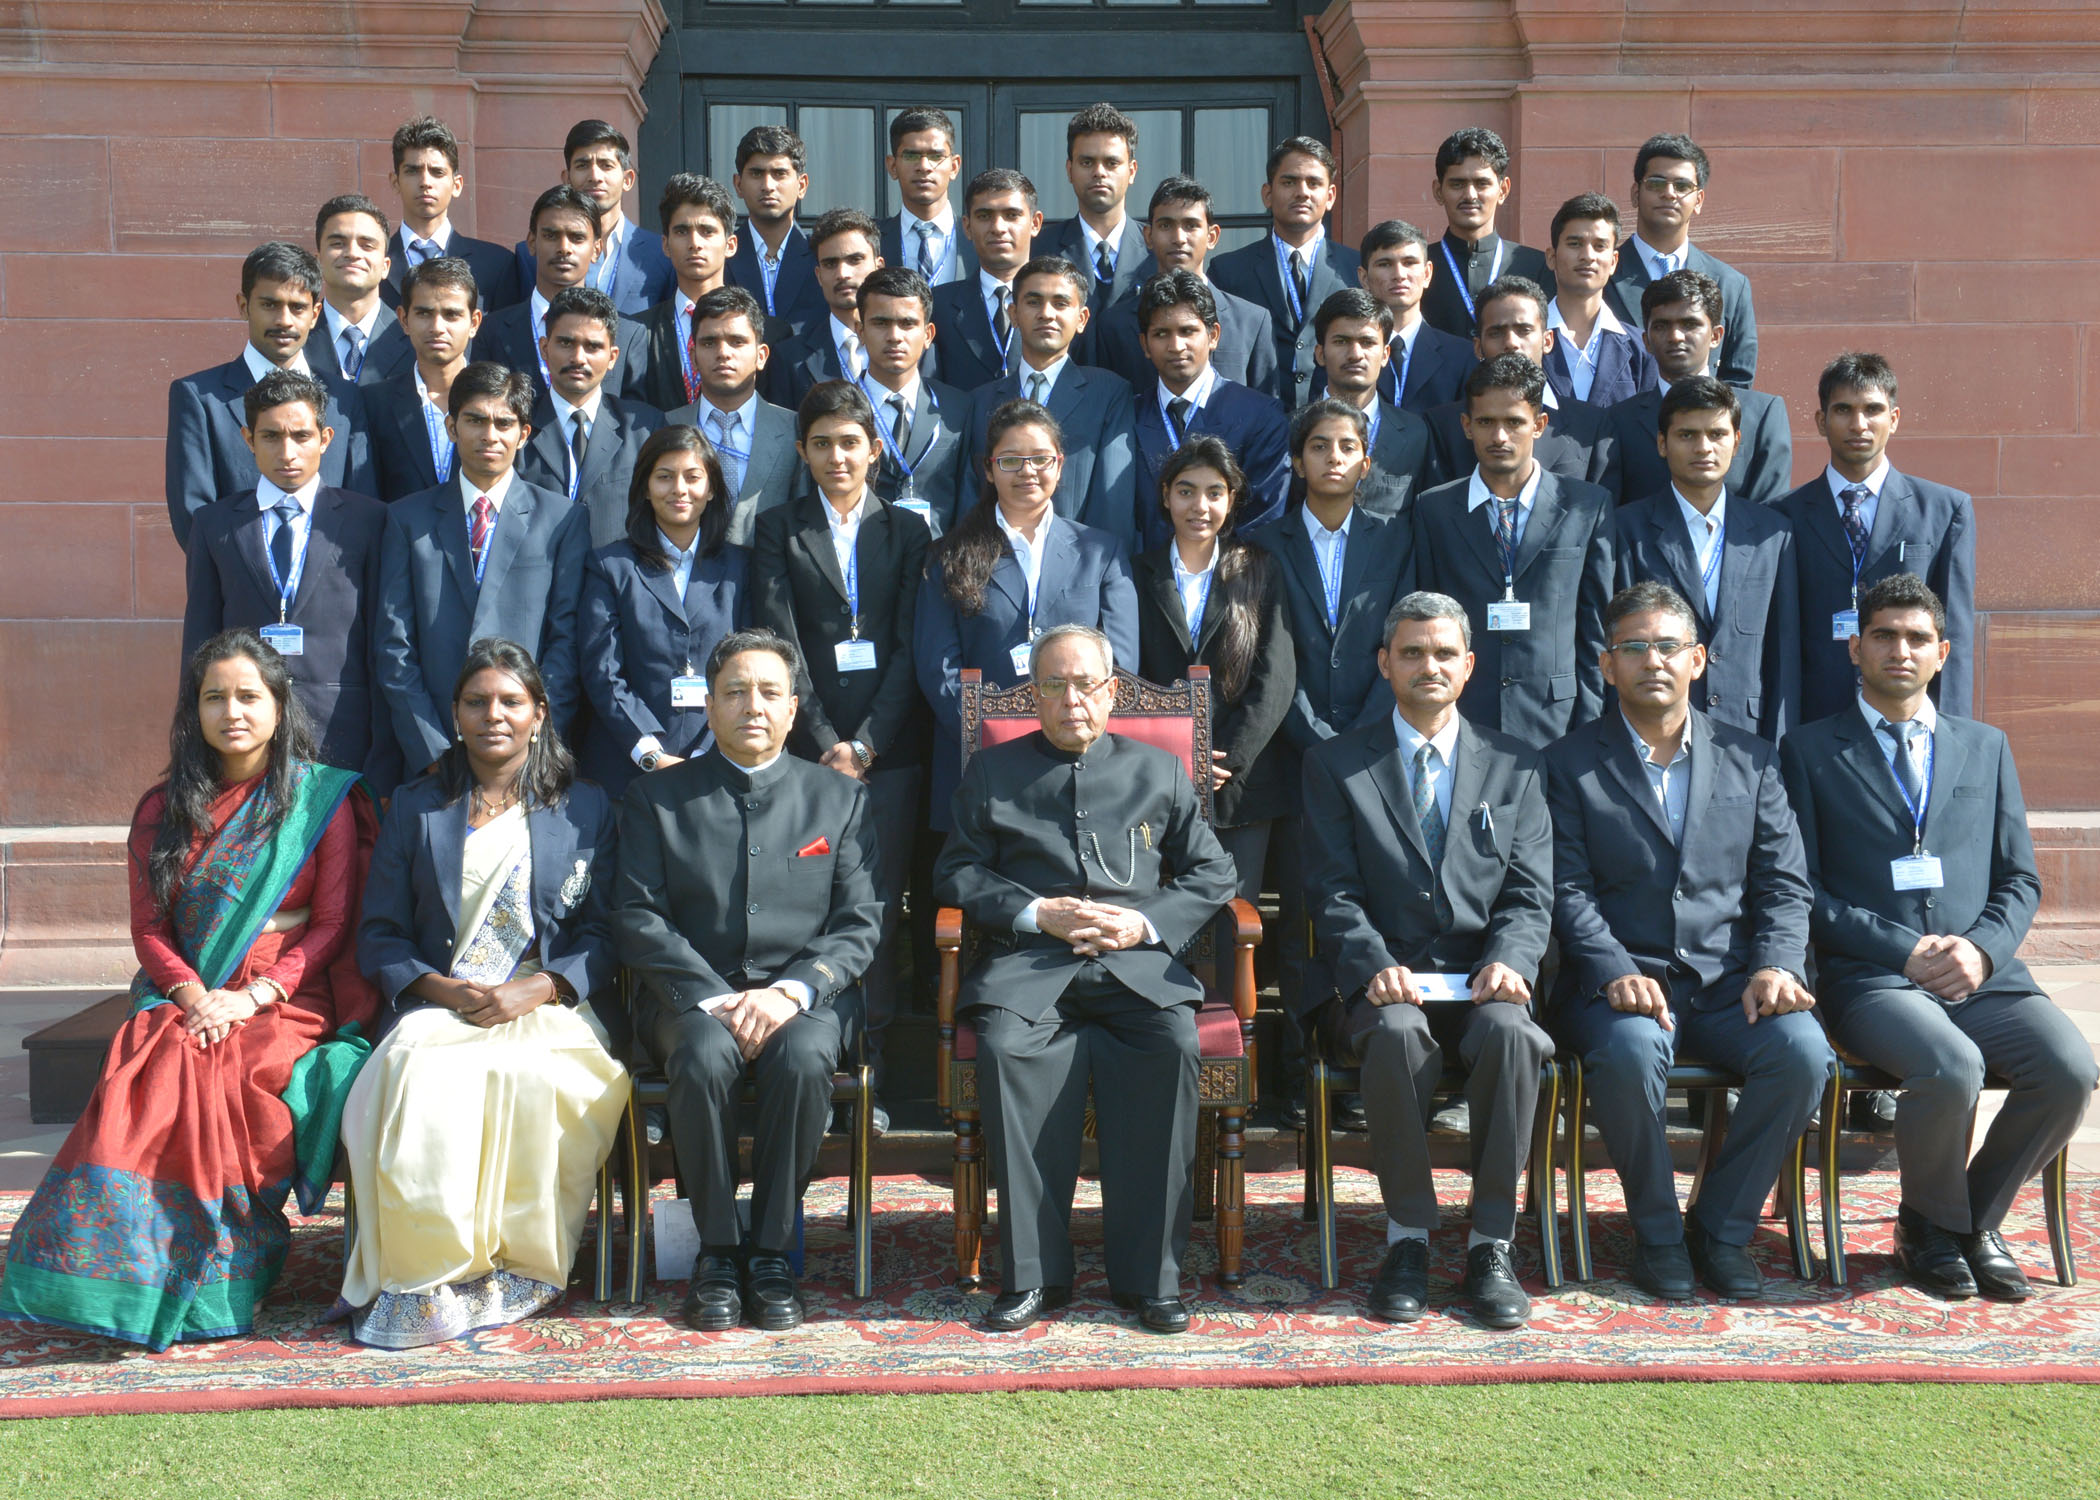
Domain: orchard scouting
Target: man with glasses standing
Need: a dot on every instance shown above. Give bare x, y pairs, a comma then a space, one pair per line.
1681, 903
1669, 189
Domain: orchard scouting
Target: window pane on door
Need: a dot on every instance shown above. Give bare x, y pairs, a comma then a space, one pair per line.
1042, 162
726, 124
1232, 145
842, 157
1159, 153
893, 201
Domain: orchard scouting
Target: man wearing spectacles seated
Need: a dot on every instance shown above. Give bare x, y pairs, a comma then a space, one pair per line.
1084, 862
1681, 902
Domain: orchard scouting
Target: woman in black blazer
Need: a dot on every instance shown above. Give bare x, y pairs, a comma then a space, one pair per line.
644, 640
1207, 598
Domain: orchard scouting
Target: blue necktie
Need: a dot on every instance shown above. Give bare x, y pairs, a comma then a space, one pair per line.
1426, 811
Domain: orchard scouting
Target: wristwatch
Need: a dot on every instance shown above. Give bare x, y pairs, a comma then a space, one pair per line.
863, 754
652, 759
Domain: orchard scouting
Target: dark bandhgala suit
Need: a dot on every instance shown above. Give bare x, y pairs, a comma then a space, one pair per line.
1919, 527
1753, 634
636, 633
1097, 414
207, 458
615, 444
1254, 273
1379, 899
1854, 824
1699, 914
1579, 443
1251, 424
1050, 1022
495, 269
1737, 362
336, 606
432, 608
1763, 470
735, 880
1451, 311
1537, 683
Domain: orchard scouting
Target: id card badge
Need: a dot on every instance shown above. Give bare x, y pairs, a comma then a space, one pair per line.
855, 656
1509, 614
1916, 872
1020, 655
1844, 625
1443, 987
286, 640
688, 692
919, 508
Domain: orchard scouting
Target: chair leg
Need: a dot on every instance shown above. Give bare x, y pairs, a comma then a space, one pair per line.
860, 1191
1794, 1190
1832, 1179
1207, 1162
968, 1199
1231, 1167
634, 1147
1578, 1186
1543, 1195
1710, 1140
2056, 1187
1319, 1126
602, 1273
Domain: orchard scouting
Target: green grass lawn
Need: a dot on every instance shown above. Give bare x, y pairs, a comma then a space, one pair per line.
1584, 1442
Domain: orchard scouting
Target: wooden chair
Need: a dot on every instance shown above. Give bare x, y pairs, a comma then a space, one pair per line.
1175, 718
851, 1086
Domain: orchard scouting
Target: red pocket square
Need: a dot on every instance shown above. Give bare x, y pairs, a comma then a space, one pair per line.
818, 845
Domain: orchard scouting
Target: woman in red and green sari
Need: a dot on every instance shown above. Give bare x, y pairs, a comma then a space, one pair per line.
162, 1217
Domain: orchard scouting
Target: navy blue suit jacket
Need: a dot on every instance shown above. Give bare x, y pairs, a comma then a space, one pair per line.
636, 634
1096, 411
642, 275
1580, 443
961, 255
1624, 368
937, 452
402, 462
608, 465
1403, 462
206, 457
1436, 371
1763, 470
1753, 636
496, 283
796, 296
432, 609
1251, 424
1246, 351
387, 355
1134, 263
1738, 354
507, 338
1919, 527
1252, 272
965, 348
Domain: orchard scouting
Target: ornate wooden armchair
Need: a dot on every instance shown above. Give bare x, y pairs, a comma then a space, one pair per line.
1175, 718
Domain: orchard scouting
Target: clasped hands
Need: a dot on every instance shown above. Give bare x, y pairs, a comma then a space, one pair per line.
752, 1017
1396, 986
1770, 992
1951, 967
213, 1014
1091, 927
488, 1004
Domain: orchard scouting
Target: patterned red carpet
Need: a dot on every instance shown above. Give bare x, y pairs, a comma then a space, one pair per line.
916, 1333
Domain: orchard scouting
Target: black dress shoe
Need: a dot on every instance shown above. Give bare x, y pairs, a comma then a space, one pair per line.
711, 1302
776, 1302
1663, 1271
1290, 1115
1400, 1294
1160, 1314
1491, 1281
1349, 1114
1997, 1274
1931, 1256
1725, 1268
1013, 1311
1874, 1110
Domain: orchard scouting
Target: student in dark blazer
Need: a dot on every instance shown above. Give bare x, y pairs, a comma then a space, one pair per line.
920, 460
1925, 886
981, 603
973, 320
411, 448
773, 260
1594, 357
925, 159
564, 235
595, 466
1295, 267
753, 439
655, 603
1207, 598
427, 179
1669, 189
747, 909
1413, 874
206, 455
845, 243
632, 267
1681, 902
1534, 585
1861, 521
1179, 319
484, 554
1102, 239
1352, 346
295, 554
1095, 412
1683, 323
838, 573
699, 222
1427, 367
1471, 185
350, 239
1731, 559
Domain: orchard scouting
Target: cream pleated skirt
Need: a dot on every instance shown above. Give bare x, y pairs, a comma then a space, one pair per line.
473, 1154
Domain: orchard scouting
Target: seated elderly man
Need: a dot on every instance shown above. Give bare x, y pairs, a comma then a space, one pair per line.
1085, 861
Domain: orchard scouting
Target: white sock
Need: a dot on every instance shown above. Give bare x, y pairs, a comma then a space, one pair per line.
1476, 1239
1395, 1232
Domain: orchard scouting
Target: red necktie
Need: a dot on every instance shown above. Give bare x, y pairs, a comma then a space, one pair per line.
478, 533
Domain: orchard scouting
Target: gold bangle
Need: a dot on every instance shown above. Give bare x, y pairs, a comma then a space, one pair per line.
277, 995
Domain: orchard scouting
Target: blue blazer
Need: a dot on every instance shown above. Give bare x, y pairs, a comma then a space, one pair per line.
1436, 372
1737, 363
1753, 636
940, 475
961, 255
496, 283
796, 295
402, 462
411, 906
1252, 425
1853, 823
1919, 527
636, 635
1403, 462
388, 355
1095, 410
506, 337
608, 467
431, 608
1697, 916
1085, 580
1067, 238
1580, 443
1624, 368
964, 345
1251, 272
1246, 351
208, 459
1763, 470
642, 275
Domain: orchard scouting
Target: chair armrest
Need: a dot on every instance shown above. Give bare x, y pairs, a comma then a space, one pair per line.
1246, 923
1246, 934
947, 940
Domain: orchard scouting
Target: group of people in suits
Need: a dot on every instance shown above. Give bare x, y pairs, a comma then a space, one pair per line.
1533, 494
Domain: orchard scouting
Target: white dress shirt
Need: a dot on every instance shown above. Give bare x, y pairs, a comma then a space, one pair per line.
1330, 551
1194, 588
1582, 362
990, 288
845, 530
1094, 242
1028, 554
942, 224
495, 492
565, 427
1707, 533
1443, 746
852, 354
259, 364
440, 237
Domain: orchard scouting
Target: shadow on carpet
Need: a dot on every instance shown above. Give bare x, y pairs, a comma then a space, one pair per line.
1277, 1329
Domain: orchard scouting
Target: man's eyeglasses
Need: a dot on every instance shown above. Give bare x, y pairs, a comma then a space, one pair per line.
1059, 687
1642, 650
921, 158
1014, 463
1674, 187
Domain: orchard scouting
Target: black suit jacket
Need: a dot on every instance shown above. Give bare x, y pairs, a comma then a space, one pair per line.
1097, 413
1436, 371
806, 360
1246, 350
733, 880
799, 592
1246, 728
1763, 470
1134, 262
608, 464
1753, 635
1377, 899
1919, 527
1738, 354
337, 605
960, 254
389, 354
664, 387
1698, 917
1442, 303
1252, 272
1534, 684
1146, 847
495, 269
1854, 822
642, 277
1579, 443
797, 299
402, 462
964, 344
1252, 425
1403, 462
506, 337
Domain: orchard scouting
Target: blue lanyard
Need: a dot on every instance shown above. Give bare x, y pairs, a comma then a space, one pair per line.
993, 323
1917, 809
769, 271
1331, 576
685, 347
852, 572
1203, 600
288, 588
1407, 354
948, 249
895, 448
1712, 570
1506, 546
1377, 416
481, 563
442, 447
1290, 287
1458, 277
